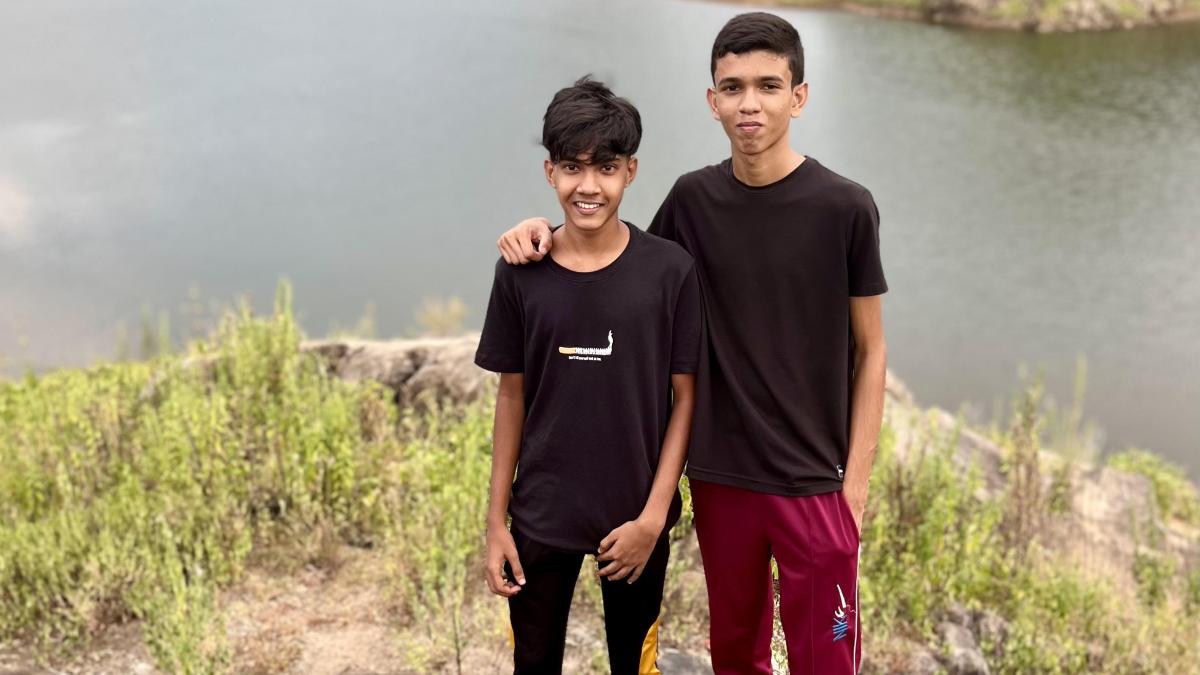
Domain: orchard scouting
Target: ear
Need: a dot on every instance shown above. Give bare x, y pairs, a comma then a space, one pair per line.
712, 104
631, 171
550, 173
799, 98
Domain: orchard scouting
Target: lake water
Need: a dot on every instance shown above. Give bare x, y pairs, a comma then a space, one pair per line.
1038, 192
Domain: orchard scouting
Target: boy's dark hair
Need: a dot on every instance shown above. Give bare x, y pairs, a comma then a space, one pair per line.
755, 31
588, 117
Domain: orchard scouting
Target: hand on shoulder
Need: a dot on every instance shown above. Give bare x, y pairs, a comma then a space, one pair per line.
528, 241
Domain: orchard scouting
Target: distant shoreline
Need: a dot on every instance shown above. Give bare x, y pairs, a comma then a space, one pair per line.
1063, 17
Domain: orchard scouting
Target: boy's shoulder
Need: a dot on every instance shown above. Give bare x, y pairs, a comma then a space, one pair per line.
831, 187
698, 179
509, 272
839, 190
664, 251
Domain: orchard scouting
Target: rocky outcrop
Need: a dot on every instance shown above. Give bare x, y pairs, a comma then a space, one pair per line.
1108, 507
1034, 15
415, 370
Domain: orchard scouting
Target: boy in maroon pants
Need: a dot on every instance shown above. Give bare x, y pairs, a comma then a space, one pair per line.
789, 392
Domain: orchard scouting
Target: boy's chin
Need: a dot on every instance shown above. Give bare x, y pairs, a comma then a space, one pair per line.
587, 223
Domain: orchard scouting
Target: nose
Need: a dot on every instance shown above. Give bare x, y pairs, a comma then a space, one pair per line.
589, 185
749, 103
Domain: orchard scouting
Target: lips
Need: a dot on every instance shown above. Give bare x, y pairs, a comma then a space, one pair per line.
587, 208
749, 127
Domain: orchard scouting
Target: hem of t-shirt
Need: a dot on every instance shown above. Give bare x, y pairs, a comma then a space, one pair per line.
557, 544
805, 489
685, 369
869, 289
498, 365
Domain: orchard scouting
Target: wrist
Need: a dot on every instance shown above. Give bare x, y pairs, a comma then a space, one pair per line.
654, 519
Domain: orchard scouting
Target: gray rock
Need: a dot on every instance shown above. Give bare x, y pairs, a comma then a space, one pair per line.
961, 656
921, 661
416, 370
675, 662
957, 614
991, 630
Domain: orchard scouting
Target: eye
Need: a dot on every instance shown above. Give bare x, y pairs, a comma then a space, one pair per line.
729, 88
571, 168
609, 168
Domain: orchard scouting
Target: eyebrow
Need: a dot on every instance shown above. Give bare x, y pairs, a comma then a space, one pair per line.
764, 79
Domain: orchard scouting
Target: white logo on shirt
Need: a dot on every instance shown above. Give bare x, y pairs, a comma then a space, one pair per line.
588, 353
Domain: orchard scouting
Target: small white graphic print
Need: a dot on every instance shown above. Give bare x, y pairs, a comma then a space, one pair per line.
588, 353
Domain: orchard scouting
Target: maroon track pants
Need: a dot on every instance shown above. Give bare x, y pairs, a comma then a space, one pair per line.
815, 544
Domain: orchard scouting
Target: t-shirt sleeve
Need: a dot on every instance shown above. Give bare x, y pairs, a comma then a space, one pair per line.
663, 224
688, 327
502, 344
862, 255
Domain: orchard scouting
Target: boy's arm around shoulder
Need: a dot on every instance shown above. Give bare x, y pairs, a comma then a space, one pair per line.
527, 241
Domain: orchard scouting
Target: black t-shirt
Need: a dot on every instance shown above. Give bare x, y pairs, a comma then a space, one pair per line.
597, 350
777, 266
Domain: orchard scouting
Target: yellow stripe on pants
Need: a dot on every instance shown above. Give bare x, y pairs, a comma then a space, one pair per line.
649, 663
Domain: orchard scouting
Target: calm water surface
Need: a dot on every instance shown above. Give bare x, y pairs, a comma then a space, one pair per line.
1038, 193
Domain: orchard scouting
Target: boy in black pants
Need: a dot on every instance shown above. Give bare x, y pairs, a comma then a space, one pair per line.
789, 392
597, 347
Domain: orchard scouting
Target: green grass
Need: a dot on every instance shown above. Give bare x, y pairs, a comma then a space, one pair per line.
141, 490
1174, 494
930, 541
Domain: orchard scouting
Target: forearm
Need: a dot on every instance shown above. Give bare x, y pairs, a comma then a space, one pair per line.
866, 415
674, 451
506, 445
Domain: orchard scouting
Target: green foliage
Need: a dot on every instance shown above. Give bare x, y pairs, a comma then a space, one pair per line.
1153, 573
928, 540
1191, 596
440, 317
934, 537
1055, 616
1174, 494
445, 474
138, 489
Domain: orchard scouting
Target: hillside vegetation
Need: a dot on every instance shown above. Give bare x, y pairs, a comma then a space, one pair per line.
140, 491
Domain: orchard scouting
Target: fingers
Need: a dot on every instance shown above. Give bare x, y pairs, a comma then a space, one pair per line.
608, 570
542, 234
517, 246
607, 542
525, 248
505, 250
637, 573
617, 574
514, 562
497, 583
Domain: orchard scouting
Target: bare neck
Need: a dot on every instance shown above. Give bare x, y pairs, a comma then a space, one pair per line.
582, 250
768, 166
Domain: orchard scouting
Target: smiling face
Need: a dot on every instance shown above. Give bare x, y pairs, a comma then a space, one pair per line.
753, 99
590, 192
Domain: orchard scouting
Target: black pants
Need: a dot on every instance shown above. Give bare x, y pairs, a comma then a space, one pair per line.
539, 611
